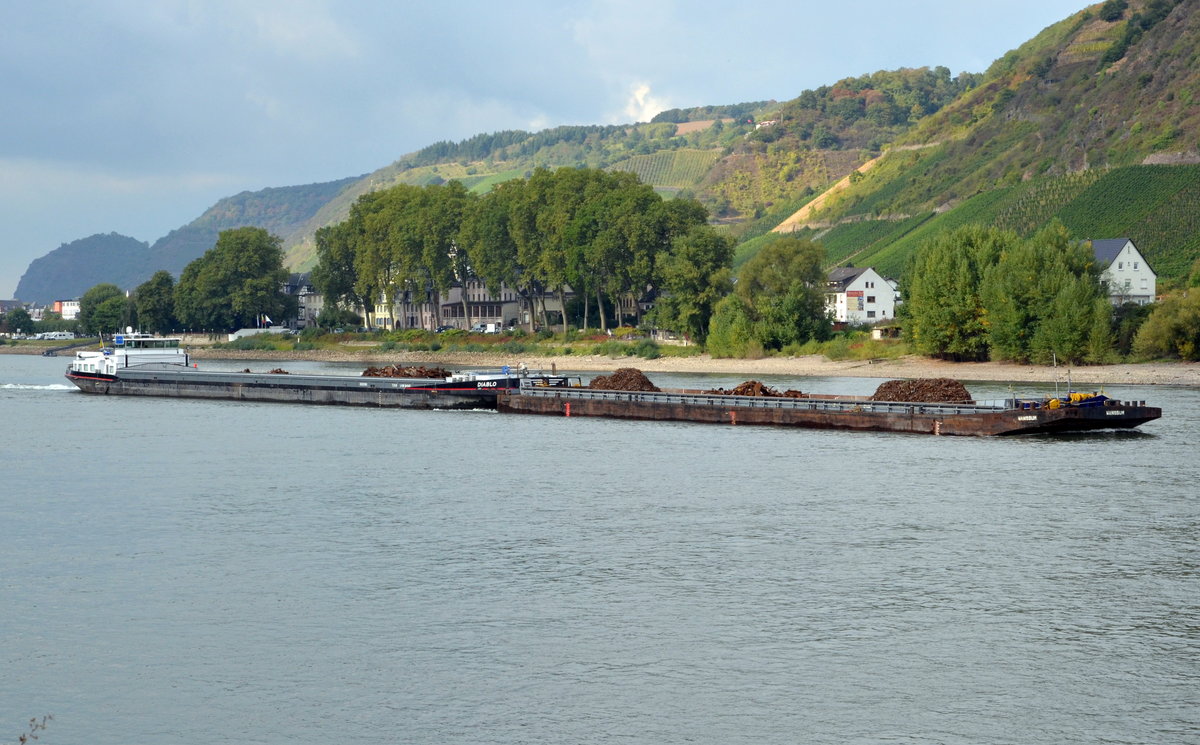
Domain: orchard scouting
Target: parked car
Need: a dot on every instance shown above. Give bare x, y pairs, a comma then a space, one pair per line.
443, 329
485, 328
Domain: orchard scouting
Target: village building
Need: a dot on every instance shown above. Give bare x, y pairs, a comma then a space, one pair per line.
860, 295
308, 301
1126, 272
67, 309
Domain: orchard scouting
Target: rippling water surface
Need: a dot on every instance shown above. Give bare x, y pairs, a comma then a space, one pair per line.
189, 571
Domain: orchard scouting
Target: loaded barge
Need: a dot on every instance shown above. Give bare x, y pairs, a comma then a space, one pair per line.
1013, 416
142, 365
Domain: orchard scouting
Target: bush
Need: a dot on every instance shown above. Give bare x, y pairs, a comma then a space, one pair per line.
257, 342
648, 349
387, 346
411, 335
513, 347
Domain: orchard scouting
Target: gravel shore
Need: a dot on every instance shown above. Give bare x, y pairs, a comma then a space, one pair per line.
1156, 373
1151, 373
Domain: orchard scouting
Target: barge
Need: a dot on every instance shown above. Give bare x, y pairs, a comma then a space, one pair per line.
142, 365
1074, 413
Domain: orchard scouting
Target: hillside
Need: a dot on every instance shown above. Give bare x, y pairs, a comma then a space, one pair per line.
1067, 126
1050, 130
71, 269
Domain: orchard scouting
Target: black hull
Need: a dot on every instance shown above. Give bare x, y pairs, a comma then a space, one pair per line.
334, 390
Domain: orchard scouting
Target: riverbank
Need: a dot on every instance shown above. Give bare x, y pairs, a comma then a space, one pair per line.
1152, 373
1156, 373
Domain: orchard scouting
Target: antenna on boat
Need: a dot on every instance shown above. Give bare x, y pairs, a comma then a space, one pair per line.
1054, 359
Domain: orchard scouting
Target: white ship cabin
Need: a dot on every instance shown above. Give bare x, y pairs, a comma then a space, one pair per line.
143, 351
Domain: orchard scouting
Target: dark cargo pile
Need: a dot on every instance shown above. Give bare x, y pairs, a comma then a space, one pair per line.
278, 371
624, 379
923, 390
755, 388
395, 371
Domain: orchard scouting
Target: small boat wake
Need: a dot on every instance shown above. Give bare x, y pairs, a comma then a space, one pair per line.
29, 387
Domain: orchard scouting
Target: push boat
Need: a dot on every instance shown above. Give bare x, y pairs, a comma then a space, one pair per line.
144, 365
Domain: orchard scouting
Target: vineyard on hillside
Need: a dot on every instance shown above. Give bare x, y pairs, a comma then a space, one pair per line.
680, 169
856, 242
1156, 206
1033, 203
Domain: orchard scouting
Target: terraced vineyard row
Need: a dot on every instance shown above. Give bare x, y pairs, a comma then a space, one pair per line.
1156, 206
675, 168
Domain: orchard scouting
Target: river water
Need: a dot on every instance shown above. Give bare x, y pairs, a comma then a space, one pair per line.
188, 571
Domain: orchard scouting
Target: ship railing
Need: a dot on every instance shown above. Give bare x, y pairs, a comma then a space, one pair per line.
845, 405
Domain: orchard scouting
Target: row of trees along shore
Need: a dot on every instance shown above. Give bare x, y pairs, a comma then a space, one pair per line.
980, 293
974, 293
604, 235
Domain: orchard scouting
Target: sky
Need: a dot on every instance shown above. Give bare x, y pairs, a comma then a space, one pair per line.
135, 116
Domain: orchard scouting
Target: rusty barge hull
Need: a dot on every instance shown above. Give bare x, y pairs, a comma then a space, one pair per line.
829, 413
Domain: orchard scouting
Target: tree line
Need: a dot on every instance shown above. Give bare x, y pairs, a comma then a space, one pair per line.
605, 237
233, 285
979, 293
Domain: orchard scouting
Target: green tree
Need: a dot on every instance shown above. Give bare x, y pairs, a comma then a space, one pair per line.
154, 301
943, 312
93, 323
781, 295
1172, 329
1039, 299
335, 275
235, 283
489, 237
731, 330
19, 321
115, 313
693, 277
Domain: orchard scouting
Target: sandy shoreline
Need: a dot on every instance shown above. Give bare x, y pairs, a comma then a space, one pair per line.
1152, 373
1158, 373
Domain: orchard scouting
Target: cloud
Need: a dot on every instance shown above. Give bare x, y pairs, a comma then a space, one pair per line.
21, 176
642, 106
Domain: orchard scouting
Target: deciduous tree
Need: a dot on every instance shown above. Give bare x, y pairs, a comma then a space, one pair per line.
154, 301
234, 283
93, 322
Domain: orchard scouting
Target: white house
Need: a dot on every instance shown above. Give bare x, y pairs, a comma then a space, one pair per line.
1126, 272
860, 295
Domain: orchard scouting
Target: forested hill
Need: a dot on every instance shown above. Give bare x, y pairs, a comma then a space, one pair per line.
71, 269
1044, 133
